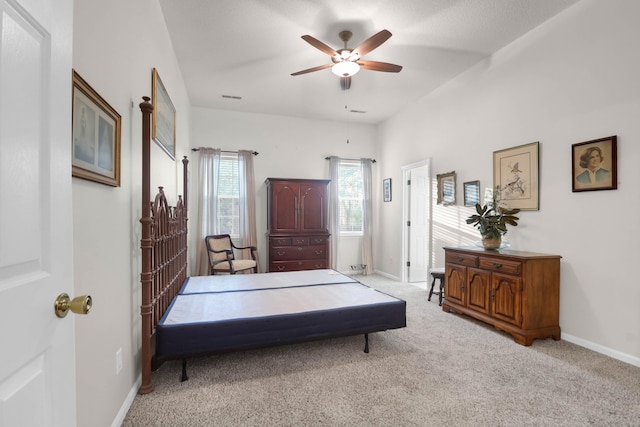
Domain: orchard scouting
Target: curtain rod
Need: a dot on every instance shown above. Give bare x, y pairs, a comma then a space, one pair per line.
355, 160
255, 153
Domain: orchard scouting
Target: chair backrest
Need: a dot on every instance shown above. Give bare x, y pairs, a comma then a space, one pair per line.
218, 243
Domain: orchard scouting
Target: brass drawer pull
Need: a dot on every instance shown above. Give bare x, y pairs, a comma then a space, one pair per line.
281, 253
497, 265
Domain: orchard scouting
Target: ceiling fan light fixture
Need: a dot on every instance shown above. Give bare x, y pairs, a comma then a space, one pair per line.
345, 69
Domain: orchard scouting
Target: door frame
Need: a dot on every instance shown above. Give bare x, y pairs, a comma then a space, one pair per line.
405, 214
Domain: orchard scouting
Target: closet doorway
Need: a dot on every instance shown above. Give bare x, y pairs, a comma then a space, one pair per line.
416, 217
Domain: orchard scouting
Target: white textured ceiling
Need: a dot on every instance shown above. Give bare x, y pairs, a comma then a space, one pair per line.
249, 48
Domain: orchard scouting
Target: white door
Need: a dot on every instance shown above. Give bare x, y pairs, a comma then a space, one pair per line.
419, 198
37, 368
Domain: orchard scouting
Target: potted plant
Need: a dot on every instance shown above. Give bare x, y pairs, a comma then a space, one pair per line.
491, 220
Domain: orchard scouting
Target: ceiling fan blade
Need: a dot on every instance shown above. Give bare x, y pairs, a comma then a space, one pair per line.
380, 66
310, 70
319, 45
371, 43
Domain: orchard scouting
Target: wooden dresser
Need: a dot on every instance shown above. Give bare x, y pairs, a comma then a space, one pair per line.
517, 292
298, 237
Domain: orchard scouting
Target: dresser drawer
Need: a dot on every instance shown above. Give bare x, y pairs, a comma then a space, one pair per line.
322, 240
284, 253
280, 241
462, 259
501, 265
297, 265
300, 241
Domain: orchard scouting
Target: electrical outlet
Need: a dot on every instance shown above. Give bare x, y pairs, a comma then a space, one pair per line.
118, 361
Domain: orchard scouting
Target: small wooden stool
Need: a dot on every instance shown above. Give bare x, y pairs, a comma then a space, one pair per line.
437, 273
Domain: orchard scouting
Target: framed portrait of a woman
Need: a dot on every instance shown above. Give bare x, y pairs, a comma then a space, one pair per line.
594, 165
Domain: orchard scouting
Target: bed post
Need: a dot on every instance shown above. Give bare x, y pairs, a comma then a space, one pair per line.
146, 246
185, 176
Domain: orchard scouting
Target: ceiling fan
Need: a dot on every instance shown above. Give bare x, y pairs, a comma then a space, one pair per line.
346, 62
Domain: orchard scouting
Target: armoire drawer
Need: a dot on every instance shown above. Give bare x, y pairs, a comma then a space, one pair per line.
284, 253
297, 265
280, 241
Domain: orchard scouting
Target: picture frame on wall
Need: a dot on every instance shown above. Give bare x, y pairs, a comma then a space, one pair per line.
96, 132
386, 189
515, 176
594, 165
163, 119
446, 188
471, 191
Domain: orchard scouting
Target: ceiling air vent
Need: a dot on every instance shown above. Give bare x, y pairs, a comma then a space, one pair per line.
358, 111
231, 97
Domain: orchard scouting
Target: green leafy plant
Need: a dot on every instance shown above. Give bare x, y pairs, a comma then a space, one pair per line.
492, 220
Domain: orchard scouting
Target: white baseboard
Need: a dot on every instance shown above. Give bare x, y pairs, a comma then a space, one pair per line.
387, 275
602, 349
122, 413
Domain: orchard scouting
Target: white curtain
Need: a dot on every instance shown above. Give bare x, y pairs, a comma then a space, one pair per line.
334, 211
207, 202
367, 211
367, 222
246, 177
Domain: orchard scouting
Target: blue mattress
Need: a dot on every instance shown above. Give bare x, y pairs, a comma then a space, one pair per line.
225, 313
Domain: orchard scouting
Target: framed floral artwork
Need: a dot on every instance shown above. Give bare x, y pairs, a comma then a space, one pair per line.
515, 176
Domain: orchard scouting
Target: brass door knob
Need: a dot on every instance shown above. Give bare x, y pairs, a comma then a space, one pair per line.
79, 305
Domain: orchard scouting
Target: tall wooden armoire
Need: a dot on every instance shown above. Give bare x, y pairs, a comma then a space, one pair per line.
297, 212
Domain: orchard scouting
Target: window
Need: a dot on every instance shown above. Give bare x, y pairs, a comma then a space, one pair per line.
228, 215
351, 196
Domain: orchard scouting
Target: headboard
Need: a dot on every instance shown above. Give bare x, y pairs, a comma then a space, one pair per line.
164, 249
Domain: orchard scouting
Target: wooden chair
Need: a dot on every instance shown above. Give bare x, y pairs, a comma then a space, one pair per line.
220, 249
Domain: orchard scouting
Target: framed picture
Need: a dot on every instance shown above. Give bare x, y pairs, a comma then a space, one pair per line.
386, 189
471, 193
163, 119
594, 165
447, 188
515, 176
95, 140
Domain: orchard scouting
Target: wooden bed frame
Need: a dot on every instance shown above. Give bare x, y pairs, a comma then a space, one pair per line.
326, 308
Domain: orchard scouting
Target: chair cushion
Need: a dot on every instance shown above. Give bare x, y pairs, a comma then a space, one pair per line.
219, 244
238, 265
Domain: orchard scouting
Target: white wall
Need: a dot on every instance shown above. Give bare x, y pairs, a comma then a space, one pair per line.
573, 79
289, 147
116, 45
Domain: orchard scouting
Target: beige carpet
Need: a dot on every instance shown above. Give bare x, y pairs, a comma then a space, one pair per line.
442, 369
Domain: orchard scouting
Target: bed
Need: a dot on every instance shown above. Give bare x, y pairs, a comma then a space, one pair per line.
184, 317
